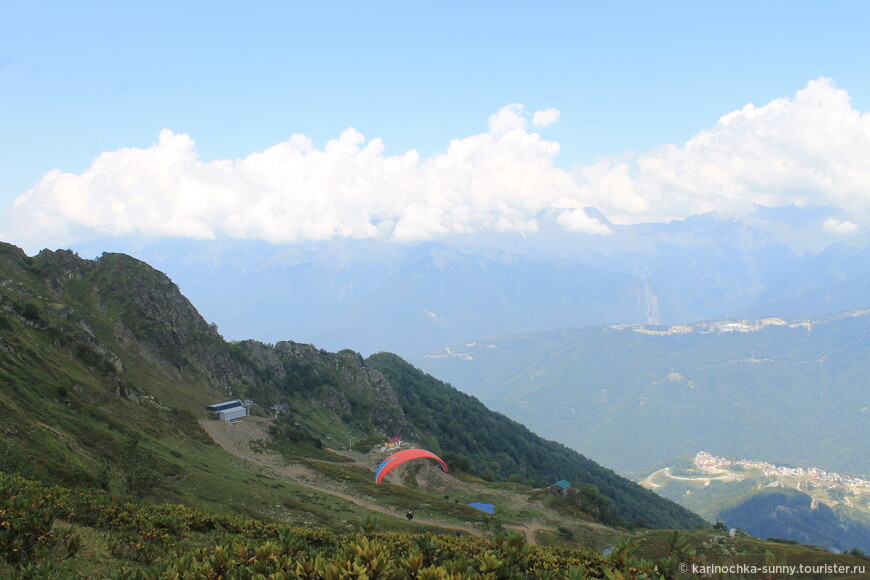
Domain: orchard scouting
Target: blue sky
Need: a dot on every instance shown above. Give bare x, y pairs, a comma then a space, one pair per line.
82, 79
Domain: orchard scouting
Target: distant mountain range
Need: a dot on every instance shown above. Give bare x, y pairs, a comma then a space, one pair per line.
787, 391
371, 295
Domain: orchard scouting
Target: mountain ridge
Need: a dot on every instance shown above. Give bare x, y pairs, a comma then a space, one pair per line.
371, 295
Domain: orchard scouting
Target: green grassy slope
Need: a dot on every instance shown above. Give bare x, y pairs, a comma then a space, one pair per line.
98, 350
56, 533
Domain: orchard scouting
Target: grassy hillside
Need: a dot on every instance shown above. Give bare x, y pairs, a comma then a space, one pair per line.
104, 360
55, 533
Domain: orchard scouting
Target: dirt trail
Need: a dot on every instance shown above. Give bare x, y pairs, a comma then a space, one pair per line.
237, 438
529, 530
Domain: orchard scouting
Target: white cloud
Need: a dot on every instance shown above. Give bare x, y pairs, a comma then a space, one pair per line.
545, 118
293, 191
836, 226
510, 118
577, 220
812, 148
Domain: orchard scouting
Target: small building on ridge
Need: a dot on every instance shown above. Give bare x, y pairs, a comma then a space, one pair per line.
228, 410
561, 487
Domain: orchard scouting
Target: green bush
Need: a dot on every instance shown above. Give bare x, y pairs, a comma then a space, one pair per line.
27, 531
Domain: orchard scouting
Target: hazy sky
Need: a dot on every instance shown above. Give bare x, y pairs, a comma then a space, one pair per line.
407, 120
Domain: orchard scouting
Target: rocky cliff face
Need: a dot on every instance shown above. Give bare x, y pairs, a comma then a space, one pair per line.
118, 308
341, 382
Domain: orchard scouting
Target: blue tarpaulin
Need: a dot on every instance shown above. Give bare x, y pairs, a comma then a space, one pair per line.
484, 507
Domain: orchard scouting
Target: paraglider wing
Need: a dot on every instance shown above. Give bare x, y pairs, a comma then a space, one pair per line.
400, 457
383, 464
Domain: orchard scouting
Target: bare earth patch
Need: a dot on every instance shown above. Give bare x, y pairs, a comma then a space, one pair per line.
246, 439
243, 439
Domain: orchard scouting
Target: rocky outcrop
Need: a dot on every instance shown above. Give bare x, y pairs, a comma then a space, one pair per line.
117, 304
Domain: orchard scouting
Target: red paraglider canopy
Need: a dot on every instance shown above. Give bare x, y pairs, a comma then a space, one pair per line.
396, 459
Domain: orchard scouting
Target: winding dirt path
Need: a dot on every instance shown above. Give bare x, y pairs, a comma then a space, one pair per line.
237, 438
529, 530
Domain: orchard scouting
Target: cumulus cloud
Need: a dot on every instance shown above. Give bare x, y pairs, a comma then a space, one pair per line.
579, 221
510, 118
813, 148
836, 226
292, 191
545, 118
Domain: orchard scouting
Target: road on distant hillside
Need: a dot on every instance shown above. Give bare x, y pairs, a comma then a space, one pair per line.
667, 473
649, 480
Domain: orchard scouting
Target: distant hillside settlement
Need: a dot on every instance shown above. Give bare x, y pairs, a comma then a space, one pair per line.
709, 463
718, 327
713, 327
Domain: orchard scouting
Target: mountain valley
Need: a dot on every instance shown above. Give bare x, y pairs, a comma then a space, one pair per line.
806, 504
794, 390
